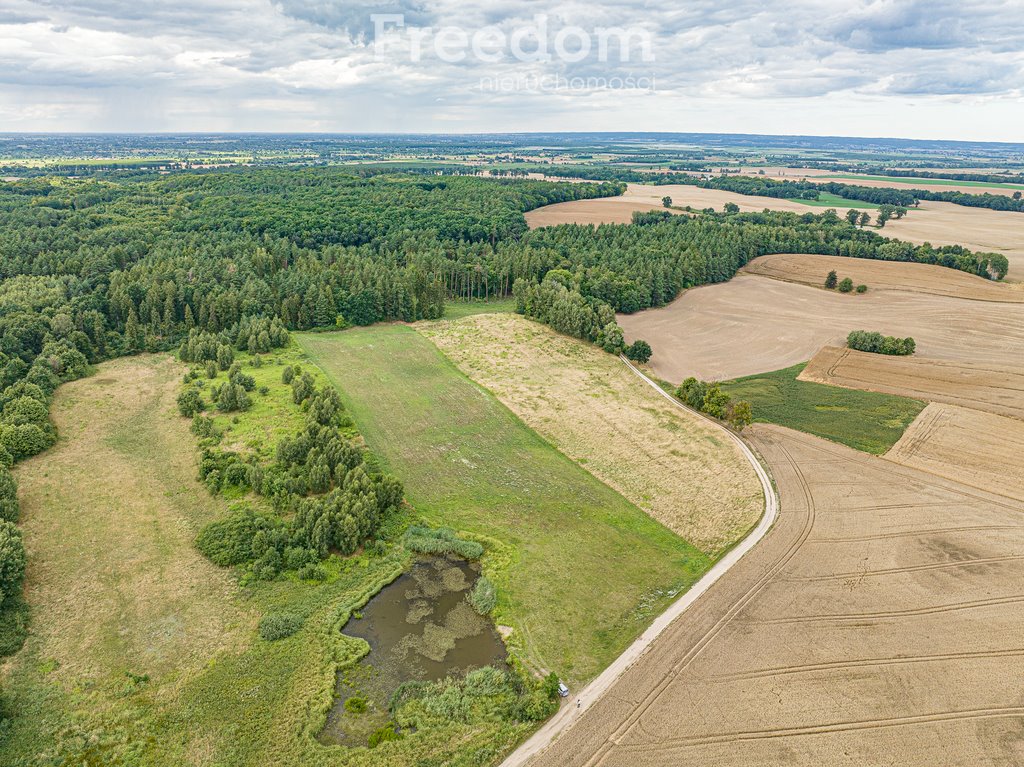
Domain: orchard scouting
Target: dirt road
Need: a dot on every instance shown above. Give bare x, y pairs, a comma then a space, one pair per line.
877, 623
593, 693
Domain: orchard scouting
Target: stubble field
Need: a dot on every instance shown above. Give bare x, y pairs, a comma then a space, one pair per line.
752, 324
940, 223
878, 623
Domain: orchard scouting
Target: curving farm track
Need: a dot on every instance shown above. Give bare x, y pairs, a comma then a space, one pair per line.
664, 625
877, 623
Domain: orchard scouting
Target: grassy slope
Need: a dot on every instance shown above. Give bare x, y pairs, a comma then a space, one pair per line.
828, 200
594, 410
589, 569
862, 420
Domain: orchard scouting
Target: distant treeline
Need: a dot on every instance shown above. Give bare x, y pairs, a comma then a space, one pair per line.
764, 186
989, 178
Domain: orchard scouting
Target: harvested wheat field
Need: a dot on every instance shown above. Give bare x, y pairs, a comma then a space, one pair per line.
979, 449
603, 210
812, 270
994, 388
674, 466
940, 223
110, 514
752, 324
943, 223
877, 623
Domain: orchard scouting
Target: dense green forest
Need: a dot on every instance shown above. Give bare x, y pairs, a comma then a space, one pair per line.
93, 269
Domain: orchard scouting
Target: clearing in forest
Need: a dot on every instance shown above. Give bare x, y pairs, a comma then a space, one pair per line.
671, 464
587, 570
121, 600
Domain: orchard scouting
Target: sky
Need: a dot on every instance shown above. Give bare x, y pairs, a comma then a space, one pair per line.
939, 69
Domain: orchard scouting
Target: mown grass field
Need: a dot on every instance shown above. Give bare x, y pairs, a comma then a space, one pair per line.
587, 570
829, 200
863, 420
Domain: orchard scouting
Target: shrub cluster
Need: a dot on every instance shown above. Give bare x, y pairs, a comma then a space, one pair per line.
483, 596
277, 626
832, 282
710, 399
326, 496
865, 341
443, 540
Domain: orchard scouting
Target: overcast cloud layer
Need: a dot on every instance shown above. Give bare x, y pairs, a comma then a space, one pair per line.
912, 68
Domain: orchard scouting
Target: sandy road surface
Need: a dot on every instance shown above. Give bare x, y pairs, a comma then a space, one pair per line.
877, 623
594, 692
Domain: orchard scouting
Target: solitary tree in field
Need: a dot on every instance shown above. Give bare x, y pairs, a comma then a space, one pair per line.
731, 207
885, 212
852, 216
832, 280
864, 219
666, 201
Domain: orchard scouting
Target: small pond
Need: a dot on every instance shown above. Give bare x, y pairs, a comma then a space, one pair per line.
420, 627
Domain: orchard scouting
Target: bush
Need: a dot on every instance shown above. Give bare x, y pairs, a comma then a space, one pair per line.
716, 401
483, 596
12, 560
356, 705
280, 626
190, 403
8, 496
692, 392
25, 440
14, 616
846, 285
229, 541
862, 288
425, 540
383, 735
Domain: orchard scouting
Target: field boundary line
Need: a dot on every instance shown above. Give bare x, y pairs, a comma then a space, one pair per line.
568, 714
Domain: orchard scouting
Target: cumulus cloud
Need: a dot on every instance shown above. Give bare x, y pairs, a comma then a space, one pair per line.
238, 64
